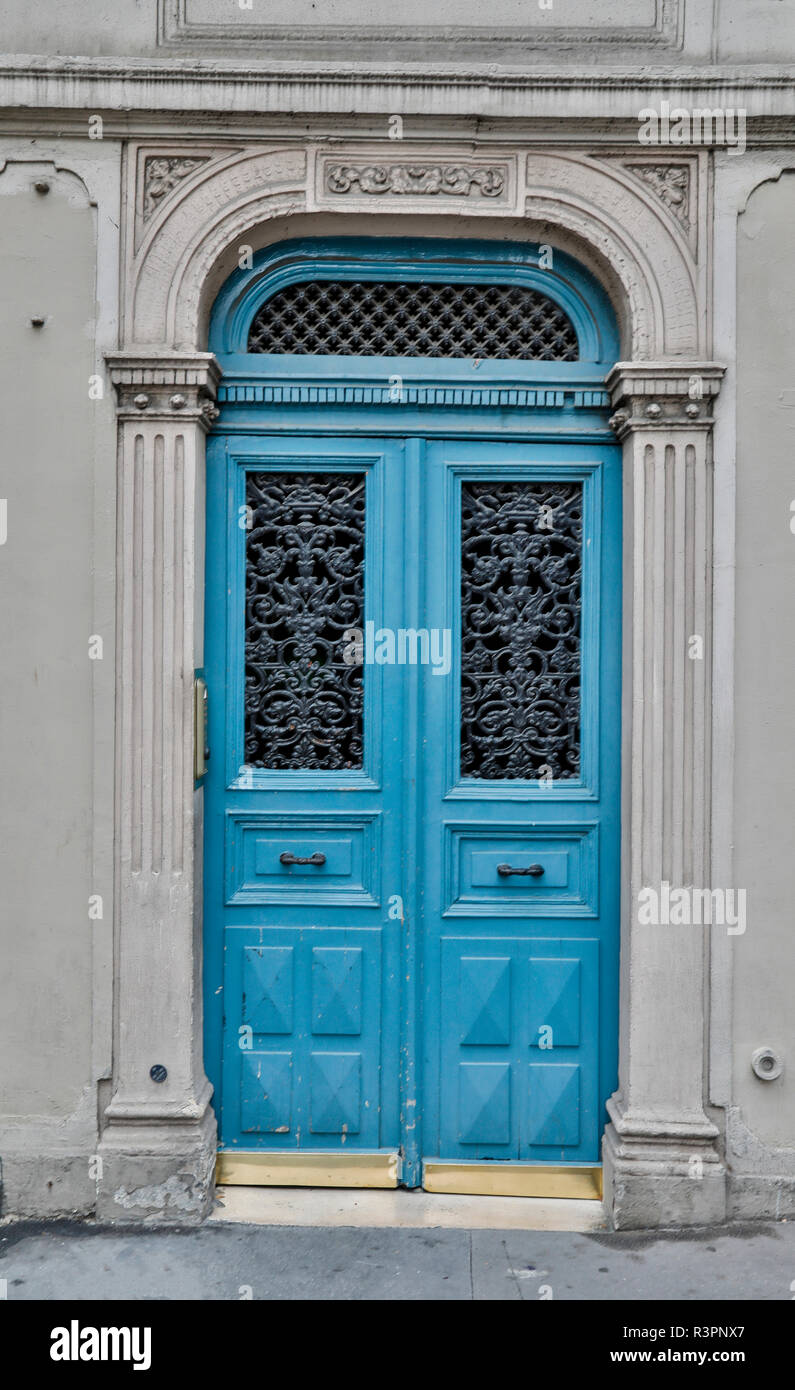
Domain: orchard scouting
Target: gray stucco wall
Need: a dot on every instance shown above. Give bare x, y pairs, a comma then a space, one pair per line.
58, 477
48, 268
765, 672
743, 30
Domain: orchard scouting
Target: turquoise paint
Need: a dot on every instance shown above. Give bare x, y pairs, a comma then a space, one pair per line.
427, 259
348, 1003
504, 961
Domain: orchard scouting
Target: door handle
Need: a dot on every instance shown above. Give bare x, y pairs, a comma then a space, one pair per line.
534, 870
201, 752
287, 858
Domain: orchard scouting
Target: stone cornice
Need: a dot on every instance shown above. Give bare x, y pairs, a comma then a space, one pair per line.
49, 83
663, 395
745, 75
586, 132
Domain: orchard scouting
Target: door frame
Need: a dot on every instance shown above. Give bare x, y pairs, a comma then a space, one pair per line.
496, 426
526, 402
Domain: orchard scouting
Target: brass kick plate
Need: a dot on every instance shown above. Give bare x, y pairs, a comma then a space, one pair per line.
307, 1170
513, 1180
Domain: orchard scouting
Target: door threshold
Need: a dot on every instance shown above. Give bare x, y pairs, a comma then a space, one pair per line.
515, 1180
258, 1169
400, 1208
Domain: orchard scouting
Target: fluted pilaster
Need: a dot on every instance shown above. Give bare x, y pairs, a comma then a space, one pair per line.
660, 1155
165, 405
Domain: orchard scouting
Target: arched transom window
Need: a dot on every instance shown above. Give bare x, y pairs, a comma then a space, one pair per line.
370, 318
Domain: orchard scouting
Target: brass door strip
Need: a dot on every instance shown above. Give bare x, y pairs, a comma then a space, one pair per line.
307, 1169
513, 1180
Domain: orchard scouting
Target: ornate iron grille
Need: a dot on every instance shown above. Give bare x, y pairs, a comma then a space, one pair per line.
304, 587
379, 319
521, 596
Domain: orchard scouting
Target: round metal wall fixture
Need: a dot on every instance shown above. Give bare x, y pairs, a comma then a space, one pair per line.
767, 1064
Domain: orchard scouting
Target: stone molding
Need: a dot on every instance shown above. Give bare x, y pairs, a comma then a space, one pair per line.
366, 177
208, 217
62, 85
638, 250
176, 30
155, 172
414, 179
602, 214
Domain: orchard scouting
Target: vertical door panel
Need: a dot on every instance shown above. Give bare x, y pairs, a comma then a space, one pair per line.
302, 826
520, 805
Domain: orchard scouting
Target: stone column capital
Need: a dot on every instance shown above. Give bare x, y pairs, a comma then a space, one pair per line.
668, 396
165, 386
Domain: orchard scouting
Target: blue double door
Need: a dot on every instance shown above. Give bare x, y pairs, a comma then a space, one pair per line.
411, 812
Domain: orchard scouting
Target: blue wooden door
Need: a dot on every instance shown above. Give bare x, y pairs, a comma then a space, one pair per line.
303, 792
411, 901
520, 802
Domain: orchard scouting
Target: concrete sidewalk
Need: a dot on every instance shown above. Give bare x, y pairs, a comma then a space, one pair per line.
234, 1260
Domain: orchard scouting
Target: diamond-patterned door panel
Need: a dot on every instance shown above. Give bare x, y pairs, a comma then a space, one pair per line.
554, 1002
267, 1005
266, 1092
520, 1058
552, 1098
302, 1065
485, 999
336, 989
484, 1102
336, 1092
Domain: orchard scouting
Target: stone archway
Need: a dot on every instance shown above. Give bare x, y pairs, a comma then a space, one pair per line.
641, 227
630, 221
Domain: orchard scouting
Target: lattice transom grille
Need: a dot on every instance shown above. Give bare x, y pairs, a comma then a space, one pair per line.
355, 318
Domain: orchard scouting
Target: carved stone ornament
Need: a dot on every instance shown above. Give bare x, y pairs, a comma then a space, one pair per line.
455, 180
669, 397
162, 174
593, 202
671, 183
165, 387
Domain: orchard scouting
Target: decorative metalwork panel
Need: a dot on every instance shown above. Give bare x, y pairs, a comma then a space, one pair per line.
380, 319
304, 587
521, 598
